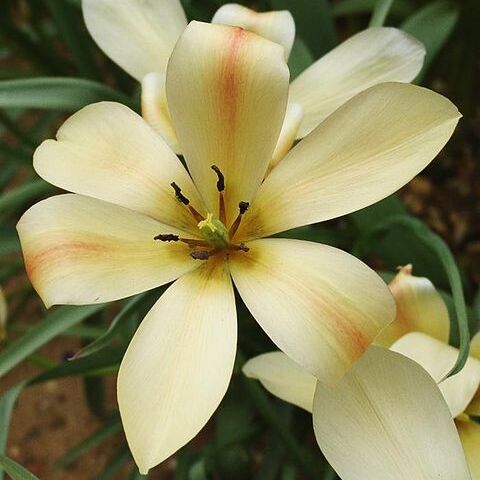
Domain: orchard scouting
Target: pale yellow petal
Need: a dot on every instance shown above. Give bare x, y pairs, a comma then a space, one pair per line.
386, 420
155, 109
469, 432
292, 121
474, 406
438, 358
138, 35
366, 150
420, 308
277, 26
475, 346
3, 315
227, 93
370, 57
178, 366
321, 306
79, 250
284, 378
107, 151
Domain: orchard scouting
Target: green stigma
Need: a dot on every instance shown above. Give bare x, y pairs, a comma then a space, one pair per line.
214, 232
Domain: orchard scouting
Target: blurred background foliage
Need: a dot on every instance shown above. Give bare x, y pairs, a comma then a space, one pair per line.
50, 67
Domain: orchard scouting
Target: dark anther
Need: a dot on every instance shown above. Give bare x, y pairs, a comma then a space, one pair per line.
243, 207
167, 237
221, 178
179, 194
200, 254
243, 247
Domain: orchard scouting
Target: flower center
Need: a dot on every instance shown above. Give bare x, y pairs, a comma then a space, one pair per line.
216, 237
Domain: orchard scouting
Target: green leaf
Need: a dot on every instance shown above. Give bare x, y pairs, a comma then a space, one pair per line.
67, 23
24, 193
7, 402
114, 329
16, 471
300, 58
111, 427
55, 322
56, 93
115, 464
444, 257
314, 23
432, 25
400, 8
380, 12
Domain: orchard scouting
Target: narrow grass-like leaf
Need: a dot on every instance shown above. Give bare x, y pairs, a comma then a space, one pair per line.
54, 323
380, 12
105, 340
314, 23
66, 21
444, 257
115, 464
16, 471
7, 402
400, 8
432, 25
24, 193
110, 428
58, 93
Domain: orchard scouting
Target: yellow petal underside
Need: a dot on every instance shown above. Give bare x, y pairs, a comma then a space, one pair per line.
227, 92
155, 109
282, 377
178, 365
369, 148
420, 308
277, 26
321, 306
438, 358
469, 432
79, 250
373, 56
137, 35
386, 420
109, 152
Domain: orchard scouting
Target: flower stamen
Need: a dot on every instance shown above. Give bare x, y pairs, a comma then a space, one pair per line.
183, 199
242, 208
220, 187
170, 237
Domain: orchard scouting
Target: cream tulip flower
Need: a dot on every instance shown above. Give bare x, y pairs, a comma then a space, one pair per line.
140, 35
419, 332
385, 420
137, 220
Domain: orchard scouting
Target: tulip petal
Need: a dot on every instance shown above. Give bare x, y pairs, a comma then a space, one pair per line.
282, 377
293, 118
386, 420
79, 250
366, 150
137, 35
373, 56
474, 406
277, 26
469, 432
420, 308
321, 306
108, 152
178, 366
227, 93
438, 358
155, 109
